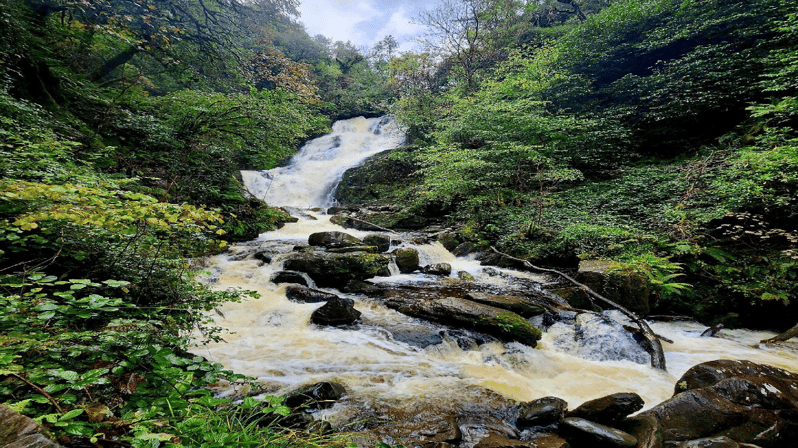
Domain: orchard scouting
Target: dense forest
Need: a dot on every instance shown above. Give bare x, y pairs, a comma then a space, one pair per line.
659, 134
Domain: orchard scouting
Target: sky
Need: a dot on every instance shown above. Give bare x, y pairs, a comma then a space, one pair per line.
364, 22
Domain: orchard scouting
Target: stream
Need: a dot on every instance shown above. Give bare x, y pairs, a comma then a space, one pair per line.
389, 360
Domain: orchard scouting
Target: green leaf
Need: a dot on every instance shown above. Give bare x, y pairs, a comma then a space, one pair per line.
71, 414
46, 316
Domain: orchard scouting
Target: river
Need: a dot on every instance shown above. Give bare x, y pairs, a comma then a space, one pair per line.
274, 342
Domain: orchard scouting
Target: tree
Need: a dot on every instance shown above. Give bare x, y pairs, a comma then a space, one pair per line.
213, 29
467, 33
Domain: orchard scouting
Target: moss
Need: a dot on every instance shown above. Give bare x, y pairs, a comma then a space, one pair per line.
513, 327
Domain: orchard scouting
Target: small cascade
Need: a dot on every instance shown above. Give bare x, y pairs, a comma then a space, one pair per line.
314, 172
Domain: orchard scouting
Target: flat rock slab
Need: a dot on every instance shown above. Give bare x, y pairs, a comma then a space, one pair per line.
462, 313
518, 305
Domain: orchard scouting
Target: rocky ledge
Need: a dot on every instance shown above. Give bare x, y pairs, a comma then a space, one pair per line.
718, 404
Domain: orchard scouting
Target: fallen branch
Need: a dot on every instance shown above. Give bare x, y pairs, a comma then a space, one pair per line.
654, 345
371, 224
39, 390
789, 334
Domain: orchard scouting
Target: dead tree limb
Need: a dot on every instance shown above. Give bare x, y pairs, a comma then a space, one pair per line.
654, 345
789, 334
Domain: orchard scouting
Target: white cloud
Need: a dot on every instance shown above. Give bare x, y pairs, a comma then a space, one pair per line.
363, 22
337, 19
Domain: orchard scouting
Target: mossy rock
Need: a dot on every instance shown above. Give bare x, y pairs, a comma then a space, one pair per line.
462, 313
336, 270
615, 281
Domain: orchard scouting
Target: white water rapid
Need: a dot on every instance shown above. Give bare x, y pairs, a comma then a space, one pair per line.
389, 359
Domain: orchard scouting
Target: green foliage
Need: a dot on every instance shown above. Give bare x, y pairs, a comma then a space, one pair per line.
89, 362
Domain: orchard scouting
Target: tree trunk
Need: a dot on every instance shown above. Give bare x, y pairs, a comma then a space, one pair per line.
120, 59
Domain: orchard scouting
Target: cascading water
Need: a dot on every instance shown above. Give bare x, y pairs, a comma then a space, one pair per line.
311, 177
389, 359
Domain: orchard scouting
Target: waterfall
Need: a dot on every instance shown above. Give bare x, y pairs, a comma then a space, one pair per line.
312, 175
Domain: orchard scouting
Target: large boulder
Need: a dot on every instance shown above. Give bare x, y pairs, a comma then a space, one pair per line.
381, 241
518, 305
19, 431
406, 259
630, 289
462, 313
337, 311
336, 270
442, 269
742, 400
541, 412
333, 240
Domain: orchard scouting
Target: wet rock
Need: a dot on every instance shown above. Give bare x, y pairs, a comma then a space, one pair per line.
610, 409
462, 313
416, 336
333, 240
468, 340
576, 297
465, 276
463, 249
541, 412
500, 441
594, 336
288, 277
433, 433
337, 210
712, 372
307, 295
265, 257
548, 441
19, 431
336, 270
448, 241
406, 260
626, 288
712, 331
345, 250
442, 269
360, 287
381, 241
745, 401
336, 311
581, 432
488, 430
645, 428
518, 305
491, 272
349, 222
710, 442
315, 396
